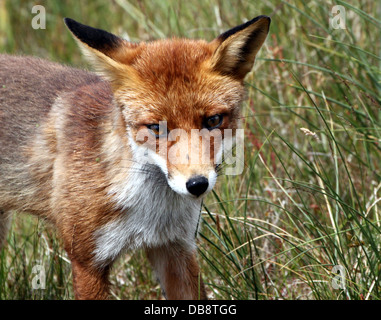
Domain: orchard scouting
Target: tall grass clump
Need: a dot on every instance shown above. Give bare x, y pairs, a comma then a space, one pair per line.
303, 219
310, 199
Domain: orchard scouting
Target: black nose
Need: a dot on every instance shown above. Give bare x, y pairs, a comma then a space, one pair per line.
197, 185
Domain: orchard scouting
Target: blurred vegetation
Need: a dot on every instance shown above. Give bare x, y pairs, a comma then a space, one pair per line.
307, 200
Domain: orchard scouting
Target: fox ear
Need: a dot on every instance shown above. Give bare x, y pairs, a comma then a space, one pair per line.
237, 47
107, 52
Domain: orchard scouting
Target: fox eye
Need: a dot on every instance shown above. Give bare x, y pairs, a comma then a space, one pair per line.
157, 130
213, 122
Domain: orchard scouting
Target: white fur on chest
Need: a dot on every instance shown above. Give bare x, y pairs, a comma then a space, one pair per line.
154, 215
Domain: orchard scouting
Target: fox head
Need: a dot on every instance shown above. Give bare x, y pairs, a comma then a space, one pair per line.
178, 97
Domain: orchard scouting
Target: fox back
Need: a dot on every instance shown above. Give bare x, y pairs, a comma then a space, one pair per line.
110, 158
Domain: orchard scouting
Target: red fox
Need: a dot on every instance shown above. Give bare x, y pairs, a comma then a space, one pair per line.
89, 153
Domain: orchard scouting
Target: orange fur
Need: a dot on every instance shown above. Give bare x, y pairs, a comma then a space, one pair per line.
70, 153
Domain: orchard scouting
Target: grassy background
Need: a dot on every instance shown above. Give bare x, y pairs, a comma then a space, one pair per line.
306, 202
